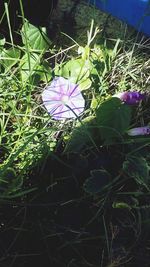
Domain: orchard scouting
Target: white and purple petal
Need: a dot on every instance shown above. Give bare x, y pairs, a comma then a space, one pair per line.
63, 99
139, 131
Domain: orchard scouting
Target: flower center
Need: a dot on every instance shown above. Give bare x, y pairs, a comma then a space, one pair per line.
65, 99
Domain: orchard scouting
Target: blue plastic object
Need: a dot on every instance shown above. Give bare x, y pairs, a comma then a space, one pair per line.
134, 12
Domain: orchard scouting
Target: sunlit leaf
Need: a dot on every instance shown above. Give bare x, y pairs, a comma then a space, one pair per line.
35, 37
10, 57
2, 41
77, 71
29, 65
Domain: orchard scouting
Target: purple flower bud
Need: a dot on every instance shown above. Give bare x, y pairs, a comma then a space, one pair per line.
139, 131
130, 98
63, 99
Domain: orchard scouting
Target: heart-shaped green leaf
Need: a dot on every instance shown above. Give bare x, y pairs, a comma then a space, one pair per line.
35, 37
113, 119
138, 168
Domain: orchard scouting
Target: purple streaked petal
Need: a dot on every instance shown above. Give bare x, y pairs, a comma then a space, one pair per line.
58, 110
74, 89
77, 103
52, 108
76, 93
66, 113
139, 131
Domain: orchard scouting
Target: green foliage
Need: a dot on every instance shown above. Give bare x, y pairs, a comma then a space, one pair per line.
138, 168
2, 42
26, 132
23, 139
82, 136
34, 37
34, 70
76, 70
113, 119
10, 57
98, 181
93, 156
28, 68
120, 205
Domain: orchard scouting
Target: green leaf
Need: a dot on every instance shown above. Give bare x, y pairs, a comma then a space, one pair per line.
97, 182
45, 72
35, 37
85, 84
29, 66
77, 70
94, 102
121, 205
10, 57
113, 119
137, 168
81, 136
2, 41
12, 195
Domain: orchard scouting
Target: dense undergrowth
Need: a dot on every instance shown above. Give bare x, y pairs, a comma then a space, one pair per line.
88, 163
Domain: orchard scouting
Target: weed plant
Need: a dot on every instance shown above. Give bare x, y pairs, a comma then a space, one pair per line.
110, 167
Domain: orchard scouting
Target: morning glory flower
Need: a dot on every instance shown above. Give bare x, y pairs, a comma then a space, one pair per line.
130, 98
63, 99
139, 131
